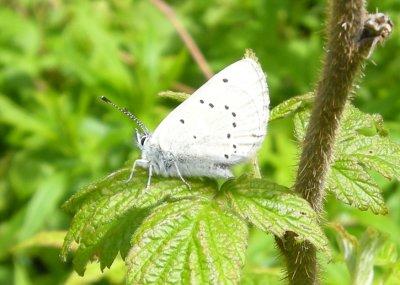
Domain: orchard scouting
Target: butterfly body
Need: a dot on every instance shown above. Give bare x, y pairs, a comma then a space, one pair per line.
168, 164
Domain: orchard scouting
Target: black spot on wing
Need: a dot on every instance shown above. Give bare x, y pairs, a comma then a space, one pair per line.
211, 105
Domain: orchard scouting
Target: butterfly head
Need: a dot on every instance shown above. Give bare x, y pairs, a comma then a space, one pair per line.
141, 139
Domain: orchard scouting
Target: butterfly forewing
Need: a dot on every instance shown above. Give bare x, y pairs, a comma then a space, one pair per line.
224, 121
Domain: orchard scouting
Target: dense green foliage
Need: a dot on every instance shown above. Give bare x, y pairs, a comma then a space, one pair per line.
172, 232
56, 137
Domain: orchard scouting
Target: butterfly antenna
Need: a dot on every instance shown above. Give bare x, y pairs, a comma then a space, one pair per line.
127, 113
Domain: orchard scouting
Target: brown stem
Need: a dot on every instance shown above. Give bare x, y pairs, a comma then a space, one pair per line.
352, 35
178, 86
185, 36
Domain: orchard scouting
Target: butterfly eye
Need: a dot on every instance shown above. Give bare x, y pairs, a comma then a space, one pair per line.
142, 140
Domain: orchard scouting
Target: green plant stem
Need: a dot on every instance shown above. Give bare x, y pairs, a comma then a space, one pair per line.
350, 40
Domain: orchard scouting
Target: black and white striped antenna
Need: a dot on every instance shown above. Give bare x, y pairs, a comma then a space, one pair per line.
127, 113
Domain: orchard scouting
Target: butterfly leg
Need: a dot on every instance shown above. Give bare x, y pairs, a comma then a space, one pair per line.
150, 174
139, 162
180, 176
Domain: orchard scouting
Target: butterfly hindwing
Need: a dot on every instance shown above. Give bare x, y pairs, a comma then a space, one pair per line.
224, 121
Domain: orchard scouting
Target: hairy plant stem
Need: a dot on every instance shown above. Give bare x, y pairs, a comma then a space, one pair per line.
350, 40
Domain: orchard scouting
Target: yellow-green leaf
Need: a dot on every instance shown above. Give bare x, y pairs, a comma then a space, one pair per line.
188, 242
109, 211
362, 146
178, 96
291, 106
274, 209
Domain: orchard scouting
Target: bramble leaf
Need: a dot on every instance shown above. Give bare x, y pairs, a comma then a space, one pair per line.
291, 106
362, 145
363, 137
353, 185
109, 211
274, 209
190, 241
300, 124
168, 233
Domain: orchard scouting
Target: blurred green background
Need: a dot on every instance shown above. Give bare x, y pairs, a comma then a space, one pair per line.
56, 59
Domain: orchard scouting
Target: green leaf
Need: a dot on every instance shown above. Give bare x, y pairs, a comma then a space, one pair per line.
372, 148
376, 153
353, 185
110, 210
362, 146
394, 277
21, 275
191, 241
44, 203
300, 124
43, 239
291, 106
16, 116
274, 209
173, 233
360, 255
178, 96
347, 244
387, 255
116, 184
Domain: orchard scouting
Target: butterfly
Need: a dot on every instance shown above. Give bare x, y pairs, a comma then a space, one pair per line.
221, 124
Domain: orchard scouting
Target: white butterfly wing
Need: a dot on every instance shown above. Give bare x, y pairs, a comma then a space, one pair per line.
224, 121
